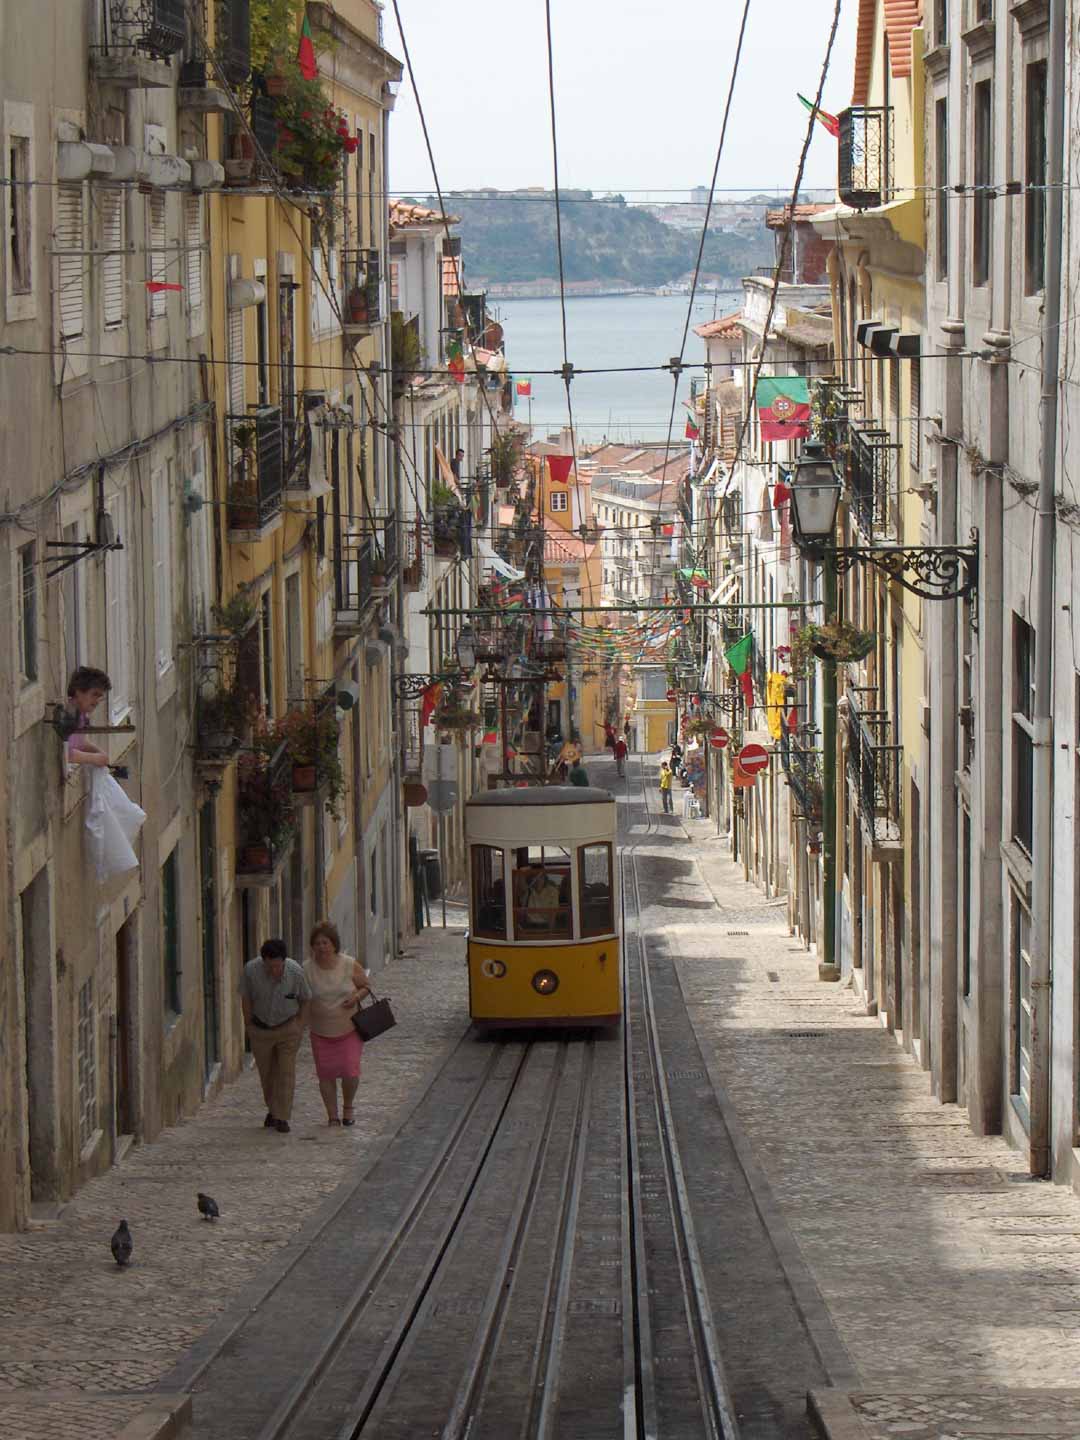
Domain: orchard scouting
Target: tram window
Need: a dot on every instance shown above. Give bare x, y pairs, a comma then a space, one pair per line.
597, 910
489, 898
542, 895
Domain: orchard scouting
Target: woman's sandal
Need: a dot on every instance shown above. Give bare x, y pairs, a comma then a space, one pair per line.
347, 1116
335, 1121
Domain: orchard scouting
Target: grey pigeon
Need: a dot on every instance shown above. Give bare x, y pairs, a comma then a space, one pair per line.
208, 1207
122, 1244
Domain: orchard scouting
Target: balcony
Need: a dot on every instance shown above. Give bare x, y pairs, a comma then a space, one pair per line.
451, 531
257, 476
363, 310
141, 37
305, 451
865, 156
412, 557
873, 470
365, 563
265, 816
875, 770
234, 39
801, 759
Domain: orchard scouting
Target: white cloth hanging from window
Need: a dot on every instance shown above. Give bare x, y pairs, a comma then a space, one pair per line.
113, 821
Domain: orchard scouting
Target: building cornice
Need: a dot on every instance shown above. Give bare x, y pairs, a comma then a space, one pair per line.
357, 63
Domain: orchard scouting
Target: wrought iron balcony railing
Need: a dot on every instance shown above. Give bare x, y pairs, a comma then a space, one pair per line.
151, 27
875, 765
364, 566
234, 38
265, 813
363, 271
258, 469
873, 479
865, 156
801, 759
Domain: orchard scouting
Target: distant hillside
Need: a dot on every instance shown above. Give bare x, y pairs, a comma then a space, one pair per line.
510, 239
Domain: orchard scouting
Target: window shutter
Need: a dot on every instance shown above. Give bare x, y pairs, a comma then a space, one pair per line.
118, 613
158, 257
236, 362
915, 438
70, 268
112, 265
193, 235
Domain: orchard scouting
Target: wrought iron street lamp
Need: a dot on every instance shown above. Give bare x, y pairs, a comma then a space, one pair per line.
465, 648
937, 572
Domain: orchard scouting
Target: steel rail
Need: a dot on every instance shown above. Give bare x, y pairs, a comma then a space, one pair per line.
717, 1401
286, 1412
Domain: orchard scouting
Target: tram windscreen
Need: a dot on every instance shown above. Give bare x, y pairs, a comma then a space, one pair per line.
597, 907
542, 893
489, 895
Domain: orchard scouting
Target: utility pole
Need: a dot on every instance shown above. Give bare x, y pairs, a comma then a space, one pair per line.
828, 963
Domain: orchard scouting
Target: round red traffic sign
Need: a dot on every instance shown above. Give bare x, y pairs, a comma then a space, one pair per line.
753, 758
719, 737
672, 694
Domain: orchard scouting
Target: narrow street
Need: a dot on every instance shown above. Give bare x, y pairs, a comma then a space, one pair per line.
807, 1129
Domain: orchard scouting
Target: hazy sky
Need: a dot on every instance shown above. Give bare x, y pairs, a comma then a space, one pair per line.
639, 91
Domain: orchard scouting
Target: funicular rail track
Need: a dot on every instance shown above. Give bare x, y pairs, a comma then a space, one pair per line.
522, 1265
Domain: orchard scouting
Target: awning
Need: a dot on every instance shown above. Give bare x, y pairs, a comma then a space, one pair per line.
446, 475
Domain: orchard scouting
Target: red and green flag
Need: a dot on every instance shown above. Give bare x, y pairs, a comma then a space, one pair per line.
524, 389
455, 359
783, 403
738, 657
691, 432
429, 700
831, 123
305, 55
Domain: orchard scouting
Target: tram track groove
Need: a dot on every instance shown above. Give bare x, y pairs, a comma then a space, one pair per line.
718, 1410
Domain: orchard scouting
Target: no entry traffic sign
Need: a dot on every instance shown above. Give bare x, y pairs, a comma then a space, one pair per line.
672, 694
753, 758
719, 737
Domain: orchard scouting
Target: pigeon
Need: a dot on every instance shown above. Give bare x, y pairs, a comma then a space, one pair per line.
208, 1207
122, 1244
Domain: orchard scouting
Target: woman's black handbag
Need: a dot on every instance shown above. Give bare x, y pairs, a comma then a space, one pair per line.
371, 1020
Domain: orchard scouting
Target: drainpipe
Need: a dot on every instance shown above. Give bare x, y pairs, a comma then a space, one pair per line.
828, 963
1043, 858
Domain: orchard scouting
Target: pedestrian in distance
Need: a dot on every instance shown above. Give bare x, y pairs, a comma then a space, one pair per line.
86, 690
275, 996
578, 774
620, 756
665, 787
338, 983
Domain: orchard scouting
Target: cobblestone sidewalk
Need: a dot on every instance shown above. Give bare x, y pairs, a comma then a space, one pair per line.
951, 1279
71, 1322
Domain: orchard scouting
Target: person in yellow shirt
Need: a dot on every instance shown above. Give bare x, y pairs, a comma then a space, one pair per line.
665, 786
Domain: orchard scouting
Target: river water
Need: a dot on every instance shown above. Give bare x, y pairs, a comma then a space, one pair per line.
605, 331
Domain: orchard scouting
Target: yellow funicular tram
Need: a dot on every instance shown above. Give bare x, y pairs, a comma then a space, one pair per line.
544, 942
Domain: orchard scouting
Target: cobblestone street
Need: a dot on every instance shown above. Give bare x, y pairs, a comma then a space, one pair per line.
940, 1286
71, 1321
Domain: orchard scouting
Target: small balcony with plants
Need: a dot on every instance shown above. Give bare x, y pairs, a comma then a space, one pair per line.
451, 523
256, 474
266, 814
872, 474
365, 566
800, 755
304, 437
312, 735
363, 310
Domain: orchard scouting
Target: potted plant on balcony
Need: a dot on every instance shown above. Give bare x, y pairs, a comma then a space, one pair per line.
223, 716
312, 137
237, 615
243, 496
446, 512
265, 809
313, 741
455, 718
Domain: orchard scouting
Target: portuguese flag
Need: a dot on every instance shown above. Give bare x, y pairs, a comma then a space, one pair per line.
783, 403
831, 123
691, 432
455, 360
305, 56
429, 700
738, 657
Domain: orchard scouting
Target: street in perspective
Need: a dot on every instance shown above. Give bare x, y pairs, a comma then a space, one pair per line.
540, 738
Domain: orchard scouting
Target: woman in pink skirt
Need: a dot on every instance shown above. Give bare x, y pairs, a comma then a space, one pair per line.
337, 983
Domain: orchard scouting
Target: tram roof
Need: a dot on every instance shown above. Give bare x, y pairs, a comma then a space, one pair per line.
530, 795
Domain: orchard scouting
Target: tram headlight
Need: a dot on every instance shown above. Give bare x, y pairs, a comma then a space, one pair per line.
492, 969
545, 982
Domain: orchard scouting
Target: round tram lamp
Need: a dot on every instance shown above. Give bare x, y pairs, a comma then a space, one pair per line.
545, 982
815, 496
466, 648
